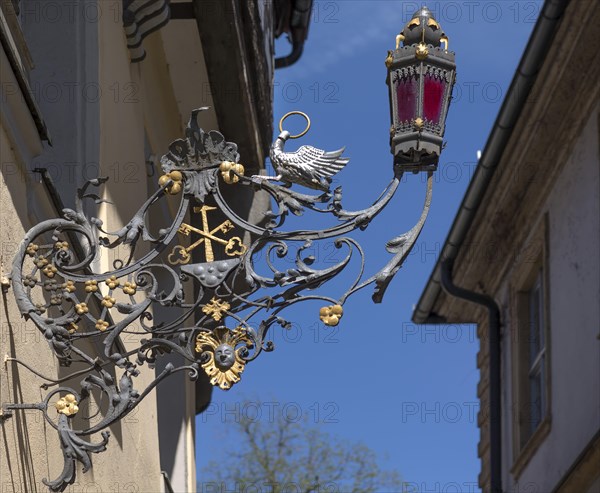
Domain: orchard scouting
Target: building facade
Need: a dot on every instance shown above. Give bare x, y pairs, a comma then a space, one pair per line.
526, 245
101, 88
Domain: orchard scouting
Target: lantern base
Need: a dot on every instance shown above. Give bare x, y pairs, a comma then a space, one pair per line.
417, 161
424, 158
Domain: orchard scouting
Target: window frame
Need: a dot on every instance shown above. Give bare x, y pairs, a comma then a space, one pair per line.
531, 273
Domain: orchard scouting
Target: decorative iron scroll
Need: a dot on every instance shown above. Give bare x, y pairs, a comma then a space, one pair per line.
222, 308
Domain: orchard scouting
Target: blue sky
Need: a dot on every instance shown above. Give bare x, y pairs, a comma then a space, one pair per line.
407, 392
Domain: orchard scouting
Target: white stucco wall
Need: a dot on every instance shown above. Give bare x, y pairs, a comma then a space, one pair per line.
102, 133
573, 209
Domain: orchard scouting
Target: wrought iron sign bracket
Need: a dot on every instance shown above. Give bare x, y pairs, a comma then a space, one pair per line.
215, 314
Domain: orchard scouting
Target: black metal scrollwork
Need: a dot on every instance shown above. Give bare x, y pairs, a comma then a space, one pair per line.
59, 288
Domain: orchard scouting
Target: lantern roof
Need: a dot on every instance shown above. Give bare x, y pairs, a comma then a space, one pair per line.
422, 28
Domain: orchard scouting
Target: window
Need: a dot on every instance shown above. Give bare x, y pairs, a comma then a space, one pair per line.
537, 354
529, 346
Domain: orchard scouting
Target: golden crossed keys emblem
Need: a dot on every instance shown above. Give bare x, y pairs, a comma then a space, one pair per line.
233, 246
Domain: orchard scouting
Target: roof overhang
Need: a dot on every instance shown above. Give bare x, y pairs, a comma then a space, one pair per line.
239, 67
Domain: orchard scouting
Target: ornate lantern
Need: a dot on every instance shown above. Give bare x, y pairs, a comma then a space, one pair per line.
420, 77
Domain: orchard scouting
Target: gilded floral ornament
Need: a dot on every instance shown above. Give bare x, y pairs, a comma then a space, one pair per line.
61, 245
91, 286
175, 178
81, 308
101, 325
422, 52
129, 288
31, 250
50, 270
108, 301
112, 282
67, 405
69, 286
216, 308
230, 171
40, 262
331, 315
222, 362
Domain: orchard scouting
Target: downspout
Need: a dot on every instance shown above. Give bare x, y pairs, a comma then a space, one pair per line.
297, 30
494, 375
293, 57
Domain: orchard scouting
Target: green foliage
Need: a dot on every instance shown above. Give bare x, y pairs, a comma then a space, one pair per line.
282, 456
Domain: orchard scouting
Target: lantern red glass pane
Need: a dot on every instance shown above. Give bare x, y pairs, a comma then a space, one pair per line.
433, 92
406, 98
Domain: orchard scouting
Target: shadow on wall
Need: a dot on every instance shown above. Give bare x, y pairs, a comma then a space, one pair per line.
24, 477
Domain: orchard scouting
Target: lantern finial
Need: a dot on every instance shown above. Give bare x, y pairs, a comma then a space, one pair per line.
422, 28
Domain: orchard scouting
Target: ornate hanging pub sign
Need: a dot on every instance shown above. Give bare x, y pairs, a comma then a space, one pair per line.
223, 306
